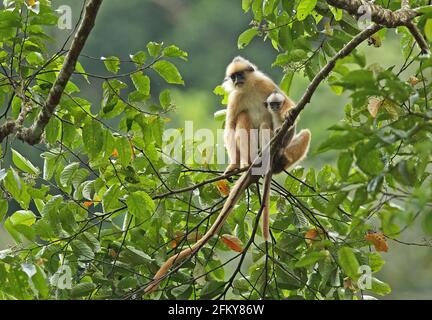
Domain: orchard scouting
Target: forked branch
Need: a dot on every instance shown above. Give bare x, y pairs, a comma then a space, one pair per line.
33, 134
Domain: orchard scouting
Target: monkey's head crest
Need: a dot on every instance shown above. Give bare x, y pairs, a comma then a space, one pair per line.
237, 73
240, 64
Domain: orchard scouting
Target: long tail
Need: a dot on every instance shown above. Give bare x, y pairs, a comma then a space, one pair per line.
240, 186
266, 206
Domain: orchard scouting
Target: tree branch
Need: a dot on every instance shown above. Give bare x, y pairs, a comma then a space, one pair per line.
33, 134
379, 15
386, 17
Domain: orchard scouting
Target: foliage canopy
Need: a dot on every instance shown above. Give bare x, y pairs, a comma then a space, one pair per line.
106, 210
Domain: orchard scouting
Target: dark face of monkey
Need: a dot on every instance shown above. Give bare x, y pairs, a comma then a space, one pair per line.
273, 105
239, 77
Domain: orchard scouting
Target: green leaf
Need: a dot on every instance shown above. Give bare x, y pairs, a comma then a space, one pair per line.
154, 48
375, 261
348, 262
212, 289
35, 58
40, 283
82, 250
337, 13
220, 115
285, 38
23, 164
380, 287
79, 68
124, 151
369, 161
246, 37
141, 82
168, 71
135, 256
173, 51
93, 138
311, 259
52, 130
428, 30
427, 223
286, 82
82, 289
140, 204
68, 173
340, 141
182, 292
4, 206
139, 58
246, 4
304, 8
165, 98
24, 217
112, 64
344, 163
110, 199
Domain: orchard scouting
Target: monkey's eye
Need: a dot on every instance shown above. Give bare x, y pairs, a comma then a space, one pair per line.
236, 76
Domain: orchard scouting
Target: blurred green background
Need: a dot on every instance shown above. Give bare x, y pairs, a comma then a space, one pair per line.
208, 31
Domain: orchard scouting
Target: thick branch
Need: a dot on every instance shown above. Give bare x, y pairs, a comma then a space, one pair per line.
385, 17
33, 134
324, 72
379, 15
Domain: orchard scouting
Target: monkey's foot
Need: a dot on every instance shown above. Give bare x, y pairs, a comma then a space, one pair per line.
244, 165
230, 168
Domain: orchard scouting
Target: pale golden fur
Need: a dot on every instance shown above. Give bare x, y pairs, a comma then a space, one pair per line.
293, 148
245, 110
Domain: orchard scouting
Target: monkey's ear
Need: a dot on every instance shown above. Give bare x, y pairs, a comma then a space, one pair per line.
265, 104
251, 69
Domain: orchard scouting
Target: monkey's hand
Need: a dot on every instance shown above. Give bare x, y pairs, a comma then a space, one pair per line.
287, 114
231, 167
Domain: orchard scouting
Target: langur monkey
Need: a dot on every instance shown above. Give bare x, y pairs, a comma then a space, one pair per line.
247, 88
293, 148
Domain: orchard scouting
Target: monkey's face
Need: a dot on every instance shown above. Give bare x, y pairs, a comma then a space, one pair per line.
273, 106
238, 78
238, 72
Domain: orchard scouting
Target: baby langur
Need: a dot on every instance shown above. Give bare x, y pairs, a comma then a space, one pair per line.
293, 148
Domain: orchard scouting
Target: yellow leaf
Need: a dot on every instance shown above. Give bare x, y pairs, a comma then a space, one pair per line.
413, 80
311, 235
223, 187
374, 105
31, 2
193, 236
232, 242
378, 240
114, 154
132, 149
112, 253
87, 203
